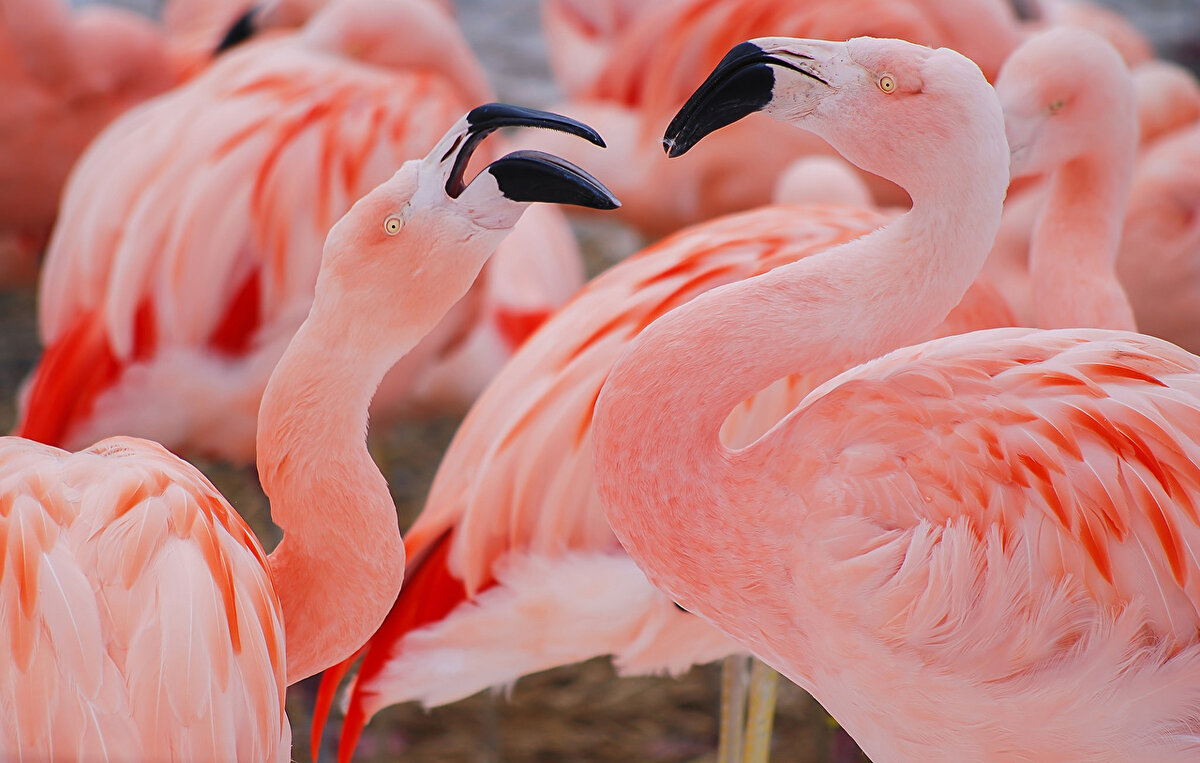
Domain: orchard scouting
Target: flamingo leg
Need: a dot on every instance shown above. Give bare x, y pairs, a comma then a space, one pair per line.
735, 676
764, 685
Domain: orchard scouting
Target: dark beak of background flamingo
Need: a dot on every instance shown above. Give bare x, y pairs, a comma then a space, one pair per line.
243, 29
530, 175
741, 84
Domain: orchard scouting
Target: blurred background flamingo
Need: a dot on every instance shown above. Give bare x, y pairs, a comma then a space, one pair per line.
174, 280
65, 75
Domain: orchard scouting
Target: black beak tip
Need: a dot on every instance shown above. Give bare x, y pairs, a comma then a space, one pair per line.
674, 149
243, 29
742, 83
492, 116
529, 176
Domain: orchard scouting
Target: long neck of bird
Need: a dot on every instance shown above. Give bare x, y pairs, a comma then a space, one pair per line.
663, 473
340, 563
1074, 248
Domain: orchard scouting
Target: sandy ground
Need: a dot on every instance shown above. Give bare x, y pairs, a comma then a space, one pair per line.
578, 713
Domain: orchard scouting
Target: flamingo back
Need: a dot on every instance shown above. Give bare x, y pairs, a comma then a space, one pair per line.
1001, 525
138, 612
1075, 444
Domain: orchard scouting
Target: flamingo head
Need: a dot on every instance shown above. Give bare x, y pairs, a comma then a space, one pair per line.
1061, 92
432, 224
877, 101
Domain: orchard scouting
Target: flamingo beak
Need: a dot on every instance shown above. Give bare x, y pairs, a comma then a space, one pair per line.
528, 175
741, 84
245, 27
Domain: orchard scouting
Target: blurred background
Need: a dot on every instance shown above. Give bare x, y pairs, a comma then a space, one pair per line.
580, 712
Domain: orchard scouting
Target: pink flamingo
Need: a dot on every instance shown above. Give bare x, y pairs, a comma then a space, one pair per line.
1094, 17
1083, 136
142, 619
65, 74
1114, 198
191, 232
1159, 259
972, 549
202, 26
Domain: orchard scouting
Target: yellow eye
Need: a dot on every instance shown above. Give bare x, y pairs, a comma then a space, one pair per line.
1057, 106
887, 83
392, 225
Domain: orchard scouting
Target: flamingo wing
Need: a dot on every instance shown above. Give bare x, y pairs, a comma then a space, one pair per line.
1060, 467
137, 611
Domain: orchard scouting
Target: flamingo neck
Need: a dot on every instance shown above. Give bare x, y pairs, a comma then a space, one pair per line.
663, 474
1074, 249
338, 569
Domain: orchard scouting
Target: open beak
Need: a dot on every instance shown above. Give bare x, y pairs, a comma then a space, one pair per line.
526, 175
741, 84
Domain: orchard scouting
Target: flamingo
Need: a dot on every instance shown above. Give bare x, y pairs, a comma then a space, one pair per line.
143, 620
191, 231
496, 542
1130, 201
1085, 138
1094, 17
976, 548
1159, 259
65, 74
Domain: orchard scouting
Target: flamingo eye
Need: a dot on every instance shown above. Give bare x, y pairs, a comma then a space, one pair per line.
887, 83
1057, 106
392, 225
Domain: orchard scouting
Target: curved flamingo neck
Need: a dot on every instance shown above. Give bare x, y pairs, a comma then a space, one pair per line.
341, 561
663, 474
1076, 240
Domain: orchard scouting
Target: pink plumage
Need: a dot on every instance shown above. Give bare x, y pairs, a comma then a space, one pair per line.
127, 634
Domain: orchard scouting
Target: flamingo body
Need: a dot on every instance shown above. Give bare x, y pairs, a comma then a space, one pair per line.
1159, 261
141, 621
1005, 523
